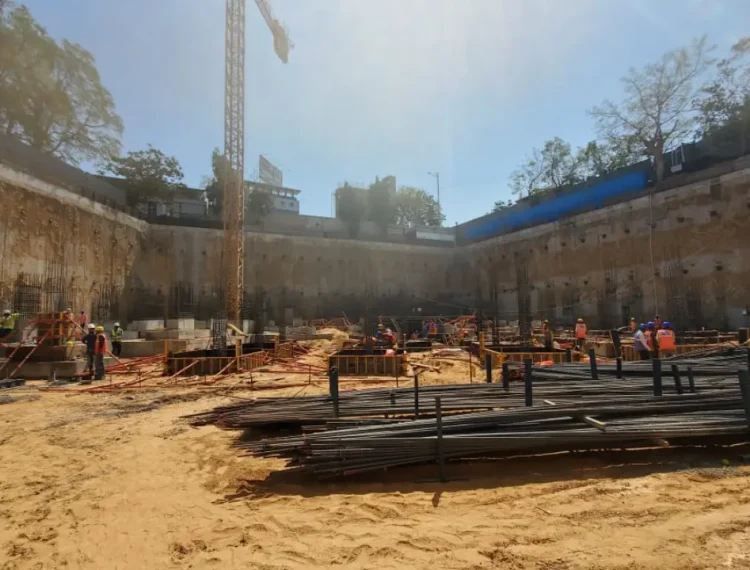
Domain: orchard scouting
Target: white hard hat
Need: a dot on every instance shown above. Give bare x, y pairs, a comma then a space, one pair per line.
6, 312
92, 326
117, 324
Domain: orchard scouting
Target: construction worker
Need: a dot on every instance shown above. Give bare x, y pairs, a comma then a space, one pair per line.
548, 338
657, 322
69, 326
390, 339
7, 323
580, 333
666, 340
90, 341
640, 342
633, 325
100, 349
116, 337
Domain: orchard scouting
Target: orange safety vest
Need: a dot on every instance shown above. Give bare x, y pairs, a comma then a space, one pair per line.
649, 339
580, 330
101, 344
666, 339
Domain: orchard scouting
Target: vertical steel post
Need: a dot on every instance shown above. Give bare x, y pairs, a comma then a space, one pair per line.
677, 379
333, 389
416, 396
744, 376
439, 428
592, 363
488, 367
527, 381
656, 364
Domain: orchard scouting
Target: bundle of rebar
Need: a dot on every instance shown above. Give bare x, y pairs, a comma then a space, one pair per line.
636, 422
560, 407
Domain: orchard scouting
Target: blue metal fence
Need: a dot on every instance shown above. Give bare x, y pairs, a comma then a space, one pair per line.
574, 201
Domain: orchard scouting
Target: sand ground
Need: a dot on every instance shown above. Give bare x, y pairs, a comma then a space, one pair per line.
119, 481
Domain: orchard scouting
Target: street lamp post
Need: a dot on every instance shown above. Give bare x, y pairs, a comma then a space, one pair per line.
437, 179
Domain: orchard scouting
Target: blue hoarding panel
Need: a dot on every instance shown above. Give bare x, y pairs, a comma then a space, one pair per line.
587, 198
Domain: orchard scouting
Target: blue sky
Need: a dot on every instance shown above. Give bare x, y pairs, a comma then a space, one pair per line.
377, 87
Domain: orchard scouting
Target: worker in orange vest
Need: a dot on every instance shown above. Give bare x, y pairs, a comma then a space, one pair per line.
100, 349
650, 334
580, 333
666, 340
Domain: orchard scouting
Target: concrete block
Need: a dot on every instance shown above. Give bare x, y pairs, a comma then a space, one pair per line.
177, 334
186, 324
61, 369
145, 325
138, 348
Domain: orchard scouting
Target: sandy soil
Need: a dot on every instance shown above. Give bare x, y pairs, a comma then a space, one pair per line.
118, 481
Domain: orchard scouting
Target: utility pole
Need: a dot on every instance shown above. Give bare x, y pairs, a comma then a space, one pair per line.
437, 179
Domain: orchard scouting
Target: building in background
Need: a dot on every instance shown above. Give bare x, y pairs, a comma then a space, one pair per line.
283, 199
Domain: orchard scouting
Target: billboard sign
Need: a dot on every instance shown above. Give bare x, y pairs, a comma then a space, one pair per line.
268, 173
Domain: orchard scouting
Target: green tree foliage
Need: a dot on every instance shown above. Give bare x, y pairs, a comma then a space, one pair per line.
149, 174
213, 185
379, 207
415, 207
350, 207
724, 102
602, 158
657, 110
501, 205
554, 166
51, 95
258, 204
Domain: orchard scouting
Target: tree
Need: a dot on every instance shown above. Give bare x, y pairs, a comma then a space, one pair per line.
603, 158
657, 110
415, 207
501, 205
350, 207
213, 185
258, 204
51, 95
379, 208
148, 174
554, 166
724, 103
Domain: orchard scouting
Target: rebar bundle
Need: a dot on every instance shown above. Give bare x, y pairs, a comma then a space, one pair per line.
572, 409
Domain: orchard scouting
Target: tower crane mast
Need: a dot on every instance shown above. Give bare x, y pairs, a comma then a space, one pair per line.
233, 191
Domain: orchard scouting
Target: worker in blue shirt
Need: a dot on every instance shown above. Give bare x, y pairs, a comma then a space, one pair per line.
640, 342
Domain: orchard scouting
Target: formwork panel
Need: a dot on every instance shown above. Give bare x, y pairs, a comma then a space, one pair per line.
353, 362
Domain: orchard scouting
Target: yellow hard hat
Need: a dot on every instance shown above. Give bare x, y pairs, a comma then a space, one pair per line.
580, 320
100, 329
